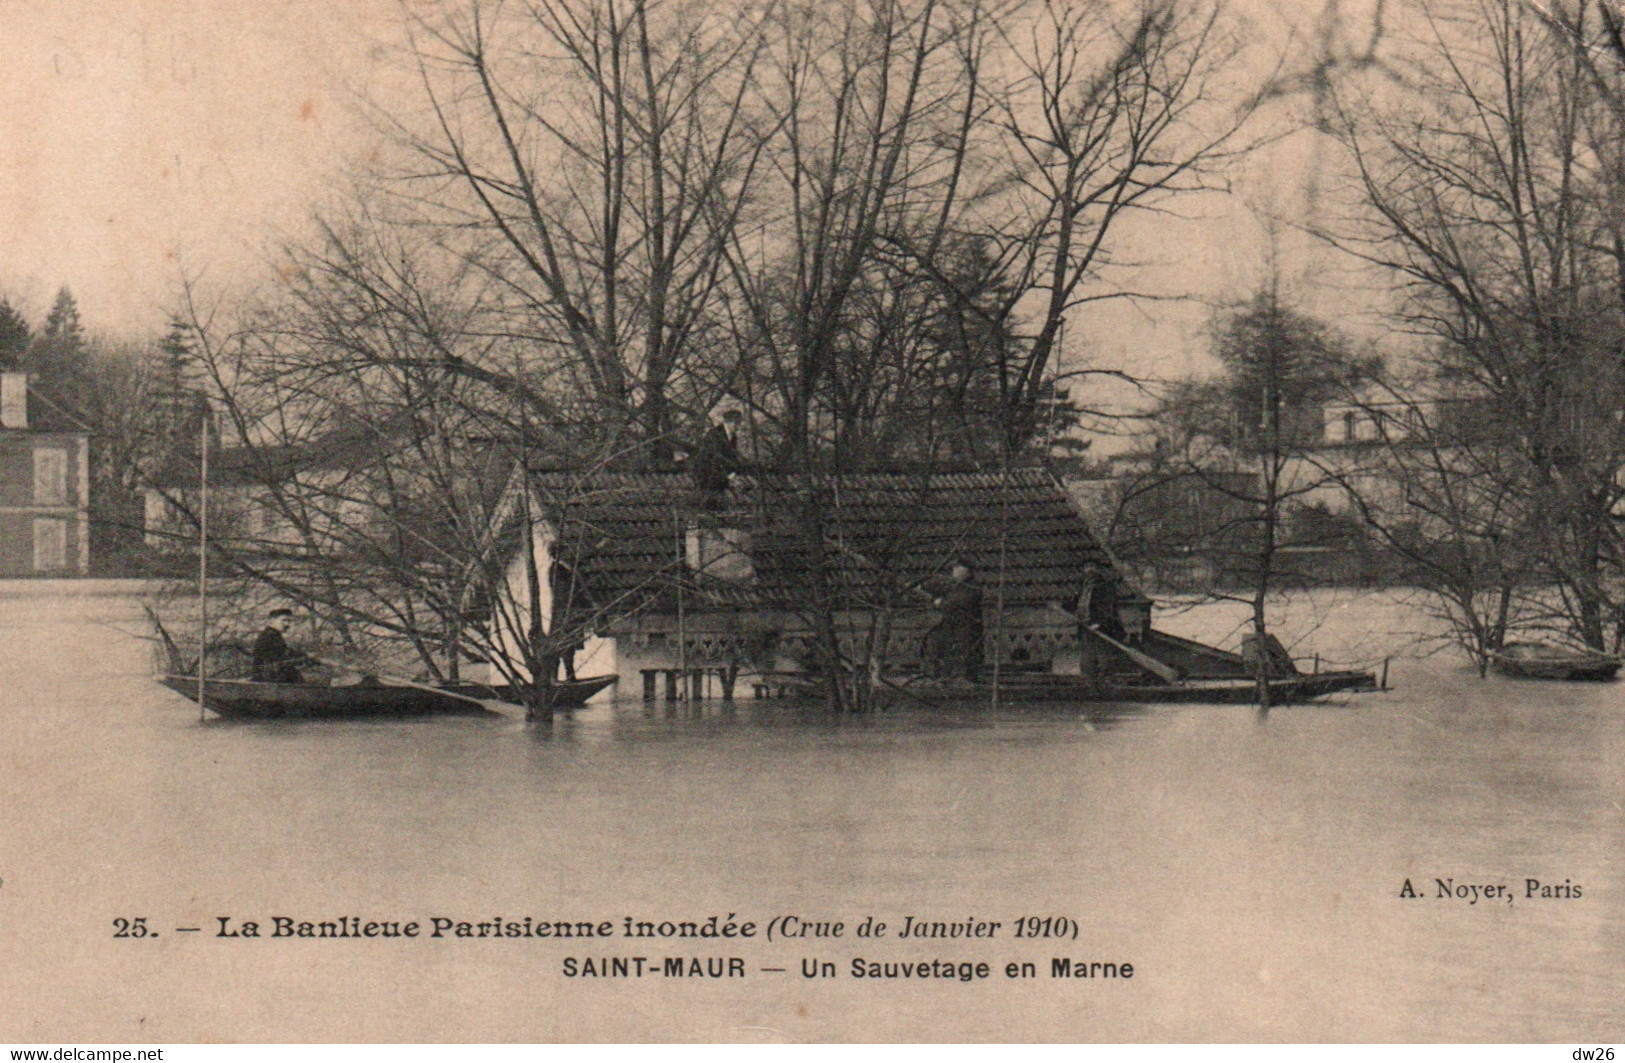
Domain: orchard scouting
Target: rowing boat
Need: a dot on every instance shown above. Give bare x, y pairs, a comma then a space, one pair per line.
1543, 660
1040, 687
246, 699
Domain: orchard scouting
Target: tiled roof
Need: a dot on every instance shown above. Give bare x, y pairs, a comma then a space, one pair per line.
886, 536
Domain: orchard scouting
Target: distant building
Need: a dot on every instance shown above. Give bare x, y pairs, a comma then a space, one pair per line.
1192, 518
254, 494
44, 492
282, 499
1178, 527
669, 585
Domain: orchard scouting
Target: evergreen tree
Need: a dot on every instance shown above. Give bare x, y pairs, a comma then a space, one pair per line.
181, 404
57, 361
1280, 366
61, 344
14, 336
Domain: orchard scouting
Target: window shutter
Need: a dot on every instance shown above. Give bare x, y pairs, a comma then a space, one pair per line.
50, 477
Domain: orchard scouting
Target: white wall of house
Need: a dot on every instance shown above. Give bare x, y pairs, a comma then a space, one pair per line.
598, 655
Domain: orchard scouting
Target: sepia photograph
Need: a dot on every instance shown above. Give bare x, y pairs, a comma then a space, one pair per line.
812, 521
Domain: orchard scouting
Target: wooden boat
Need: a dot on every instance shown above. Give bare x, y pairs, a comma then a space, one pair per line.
1543, 660
1158, 669
1284, 690
248, 700
571, 693
1019, 687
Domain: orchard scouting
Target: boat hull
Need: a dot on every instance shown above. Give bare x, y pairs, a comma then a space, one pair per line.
1539, 661
568, 694
247, 700
1059, 688
1286, 690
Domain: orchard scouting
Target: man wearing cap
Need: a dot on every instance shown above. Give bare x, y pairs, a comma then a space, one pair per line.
717, 458
274, 660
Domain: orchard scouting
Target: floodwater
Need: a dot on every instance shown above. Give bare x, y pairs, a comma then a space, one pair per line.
1250, 868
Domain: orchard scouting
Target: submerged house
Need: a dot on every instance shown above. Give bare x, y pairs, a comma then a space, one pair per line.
666, 585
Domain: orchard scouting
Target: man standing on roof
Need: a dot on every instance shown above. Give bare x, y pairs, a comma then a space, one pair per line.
957, 637
274, 660
716, 459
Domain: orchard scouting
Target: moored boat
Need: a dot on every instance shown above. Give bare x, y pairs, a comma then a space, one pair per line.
1544, 660
1035, 688
249, 700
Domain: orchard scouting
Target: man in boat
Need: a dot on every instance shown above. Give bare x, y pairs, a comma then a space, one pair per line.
1097, 600
274, 660
956, 640
1097, 611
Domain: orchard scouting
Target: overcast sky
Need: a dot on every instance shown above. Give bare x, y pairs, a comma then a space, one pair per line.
144, 139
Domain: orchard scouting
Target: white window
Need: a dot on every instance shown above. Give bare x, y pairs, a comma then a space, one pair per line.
50, 544
50, 477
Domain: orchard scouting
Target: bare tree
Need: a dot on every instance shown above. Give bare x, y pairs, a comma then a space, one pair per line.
1494, 197
603, 153
1243, 446
611, 213
1428, 480
1108, 113
374, 432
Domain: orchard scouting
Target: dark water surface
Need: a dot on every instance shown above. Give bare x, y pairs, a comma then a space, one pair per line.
1250, 868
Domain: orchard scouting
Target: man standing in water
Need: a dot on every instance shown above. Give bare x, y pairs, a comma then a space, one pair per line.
274, 660
958, 635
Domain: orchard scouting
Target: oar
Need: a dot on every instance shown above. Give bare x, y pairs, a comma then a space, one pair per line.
1149, 663
396, 680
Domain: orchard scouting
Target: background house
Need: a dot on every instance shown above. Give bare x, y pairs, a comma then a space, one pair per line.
44, 492
286, 497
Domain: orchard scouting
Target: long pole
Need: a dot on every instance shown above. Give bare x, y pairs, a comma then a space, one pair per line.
203, 565
682, 635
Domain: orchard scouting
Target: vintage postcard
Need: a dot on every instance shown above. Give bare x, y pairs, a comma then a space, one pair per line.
760, 521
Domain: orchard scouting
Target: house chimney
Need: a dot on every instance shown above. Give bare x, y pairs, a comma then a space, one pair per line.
721, 553
13, 400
